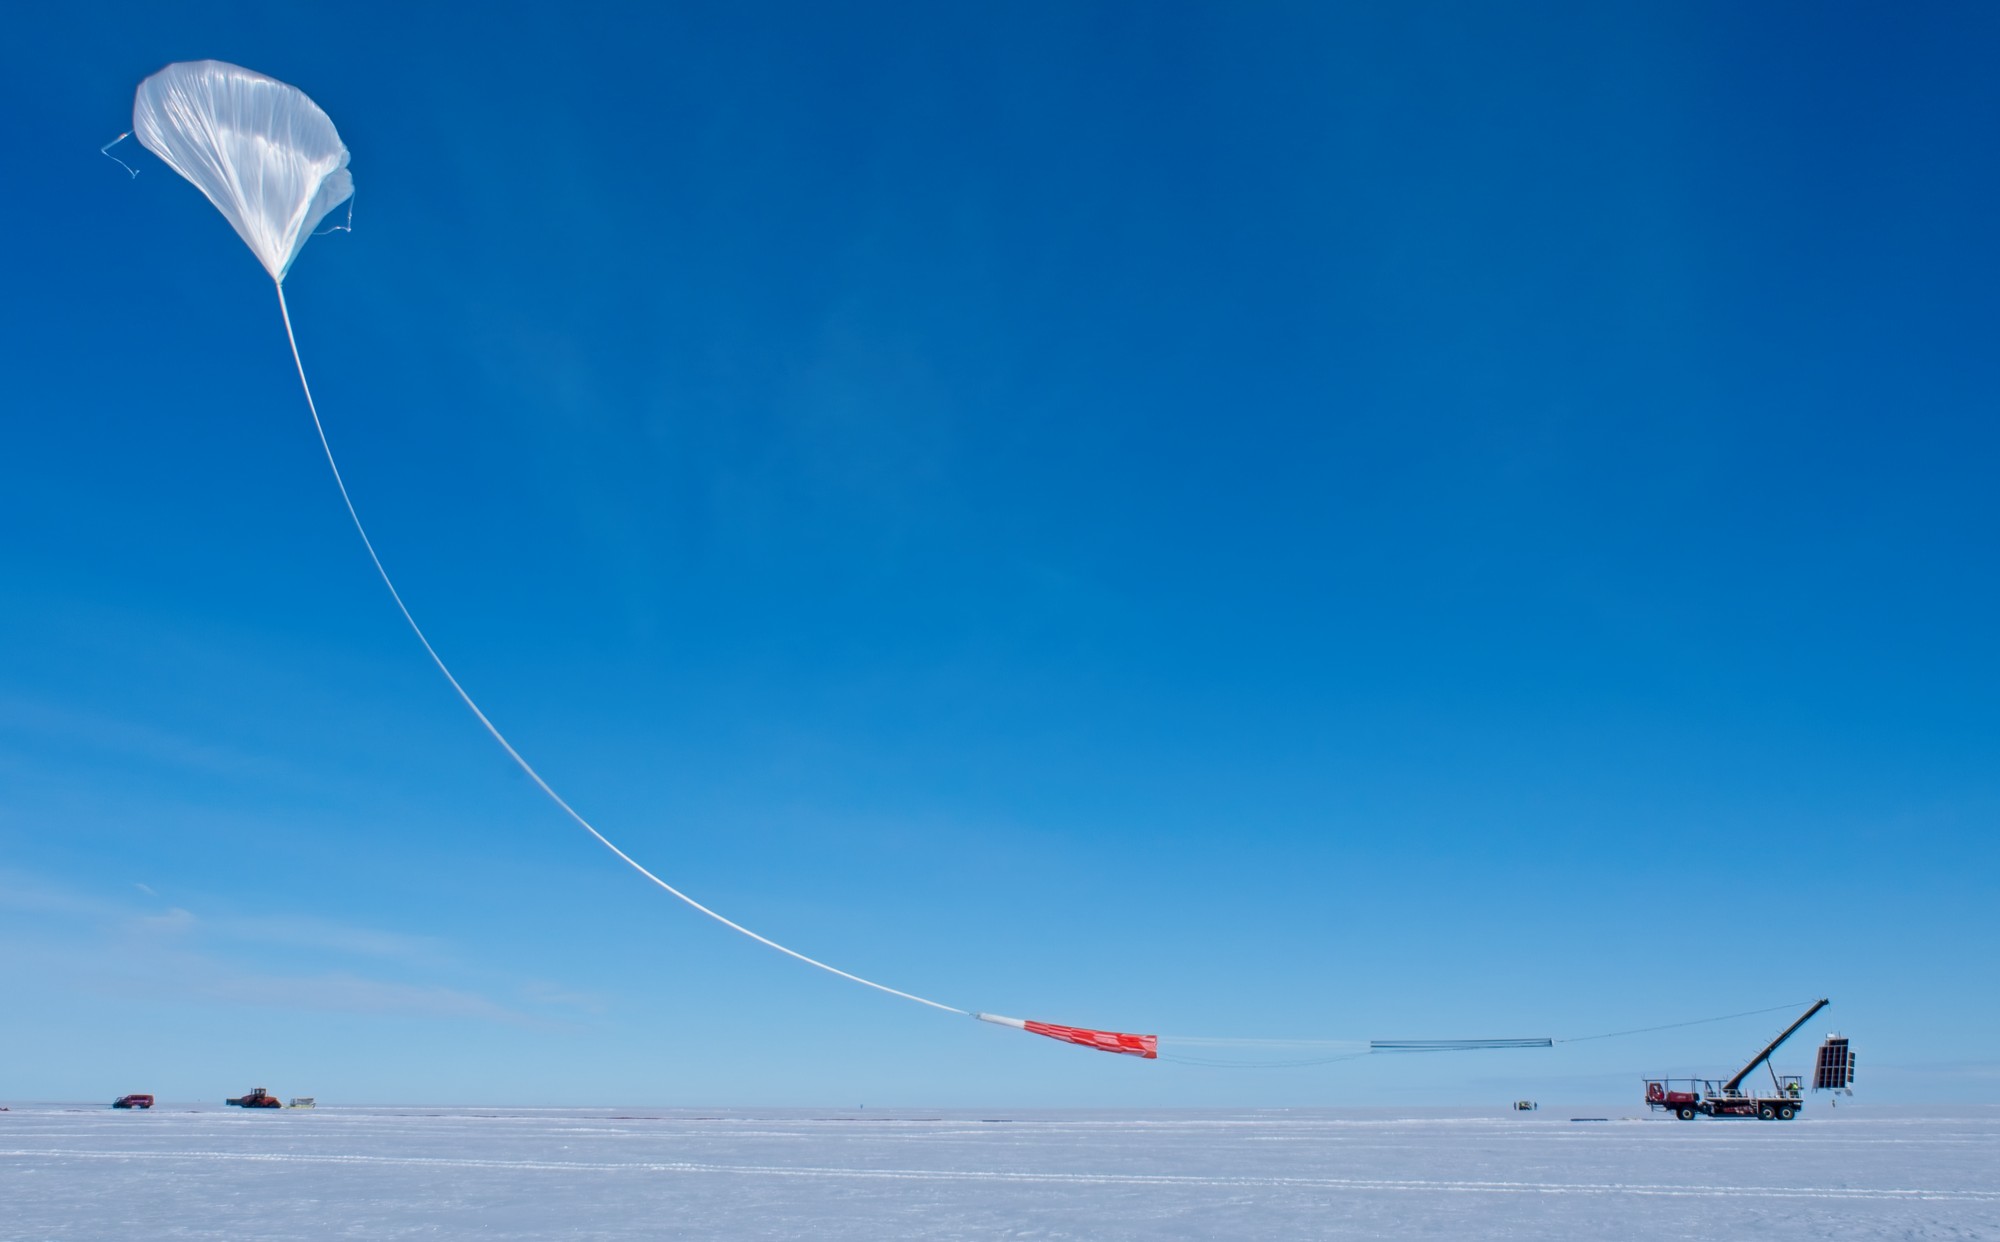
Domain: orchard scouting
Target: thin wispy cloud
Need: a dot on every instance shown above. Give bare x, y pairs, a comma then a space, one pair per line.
28, 724
540, 992
302, 931
120, 947
340, 992
24, 894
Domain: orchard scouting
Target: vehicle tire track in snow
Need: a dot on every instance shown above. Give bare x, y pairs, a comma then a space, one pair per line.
1408, 1185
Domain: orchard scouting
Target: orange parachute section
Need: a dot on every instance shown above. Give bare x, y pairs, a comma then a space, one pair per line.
1146, 1046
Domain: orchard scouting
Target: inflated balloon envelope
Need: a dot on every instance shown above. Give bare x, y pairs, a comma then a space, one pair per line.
265, 154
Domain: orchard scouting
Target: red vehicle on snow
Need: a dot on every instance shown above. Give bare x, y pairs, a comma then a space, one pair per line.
133, 1101
257, 1098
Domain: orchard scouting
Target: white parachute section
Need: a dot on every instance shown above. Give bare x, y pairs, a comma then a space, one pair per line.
265, 155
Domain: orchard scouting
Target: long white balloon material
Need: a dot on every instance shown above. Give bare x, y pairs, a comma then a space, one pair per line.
501, 738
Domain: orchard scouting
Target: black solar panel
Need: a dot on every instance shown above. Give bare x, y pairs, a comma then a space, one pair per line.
1835, 1069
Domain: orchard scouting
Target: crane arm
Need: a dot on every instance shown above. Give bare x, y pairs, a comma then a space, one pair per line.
1772, 1047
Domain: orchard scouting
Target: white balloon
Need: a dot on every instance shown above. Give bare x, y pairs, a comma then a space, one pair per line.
265, 155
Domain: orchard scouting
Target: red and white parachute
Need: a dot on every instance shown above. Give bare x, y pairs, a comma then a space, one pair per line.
1147, 1046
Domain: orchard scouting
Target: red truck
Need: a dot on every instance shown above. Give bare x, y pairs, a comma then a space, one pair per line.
1688, 1098
133, 1101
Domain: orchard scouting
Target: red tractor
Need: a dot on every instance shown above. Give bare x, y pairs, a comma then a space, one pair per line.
257, 1098
1688, 1098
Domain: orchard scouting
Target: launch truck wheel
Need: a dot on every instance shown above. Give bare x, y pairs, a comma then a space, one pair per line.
1766, 1113
1685, 1114
1787, 1112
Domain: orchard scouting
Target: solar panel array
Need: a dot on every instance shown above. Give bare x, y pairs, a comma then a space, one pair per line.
1835, 1069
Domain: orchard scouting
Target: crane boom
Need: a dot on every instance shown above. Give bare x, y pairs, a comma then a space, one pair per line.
1760, 1058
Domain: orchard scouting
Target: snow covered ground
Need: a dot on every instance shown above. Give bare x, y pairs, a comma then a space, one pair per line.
209, 1172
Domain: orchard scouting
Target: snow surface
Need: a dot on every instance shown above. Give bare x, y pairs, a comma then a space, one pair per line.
207, 1172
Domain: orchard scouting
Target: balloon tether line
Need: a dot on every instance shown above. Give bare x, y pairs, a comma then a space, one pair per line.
507, 746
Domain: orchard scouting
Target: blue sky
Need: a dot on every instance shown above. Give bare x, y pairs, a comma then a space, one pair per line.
1306, 521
